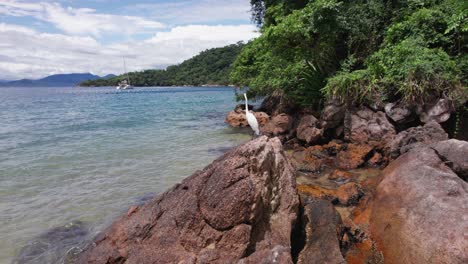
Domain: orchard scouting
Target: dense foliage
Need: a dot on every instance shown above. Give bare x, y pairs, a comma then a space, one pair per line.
357, 51
210, 67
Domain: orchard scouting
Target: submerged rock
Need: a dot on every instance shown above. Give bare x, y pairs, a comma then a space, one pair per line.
56, 245
420, 209
239, 209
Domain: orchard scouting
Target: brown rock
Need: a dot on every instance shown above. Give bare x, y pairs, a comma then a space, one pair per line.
354, 156
419, 212
235, 119
241, 208
416, 137
238, 119
307, 130
363, 125
349, 193
262, 117
279, 124
321, 224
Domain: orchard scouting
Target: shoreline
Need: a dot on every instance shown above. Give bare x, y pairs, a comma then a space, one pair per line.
342, 179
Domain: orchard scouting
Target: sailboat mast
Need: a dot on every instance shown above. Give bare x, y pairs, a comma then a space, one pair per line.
125, 70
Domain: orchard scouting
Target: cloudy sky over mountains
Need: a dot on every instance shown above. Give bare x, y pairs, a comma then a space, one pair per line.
40, 38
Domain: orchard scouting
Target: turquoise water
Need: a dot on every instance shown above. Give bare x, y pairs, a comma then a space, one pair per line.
86, 154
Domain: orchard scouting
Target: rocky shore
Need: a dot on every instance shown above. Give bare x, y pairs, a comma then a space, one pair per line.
352, 184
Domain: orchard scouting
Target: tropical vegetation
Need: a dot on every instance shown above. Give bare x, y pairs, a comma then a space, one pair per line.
357, 51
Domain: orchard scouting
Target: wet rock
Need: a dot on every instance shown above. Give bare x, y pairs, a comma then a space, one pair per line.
354, 156
419, 212
241, 208
362, 125
349, 193
57, 245
333, 147
333, 114
236, 119
376, 160
316, 191
416, 136
321, 224
399, 113
340, 176
438, 111
455, 154
279, 124
307, 129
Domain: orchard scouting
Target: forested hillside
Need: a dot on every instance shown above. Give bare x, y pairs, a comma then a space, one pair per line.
371, 51
211, 67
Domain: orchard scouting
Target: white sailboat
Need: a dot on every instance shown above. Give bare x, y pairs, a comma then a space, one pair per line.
125, 84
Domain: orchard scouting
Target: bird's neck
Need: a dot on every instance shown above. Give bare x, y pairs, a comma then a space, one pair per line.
246, 107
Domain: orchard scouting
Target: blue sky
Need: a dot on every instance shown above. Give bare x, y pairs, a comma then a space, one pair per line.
46, 37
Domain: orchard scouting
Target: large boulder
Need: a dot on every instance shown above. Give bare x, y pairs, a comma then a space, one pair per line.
333, 114
321, 225
420, 209
278, 125
362, 125
307, 129
239, 209
438, 111
416, 136
237, 118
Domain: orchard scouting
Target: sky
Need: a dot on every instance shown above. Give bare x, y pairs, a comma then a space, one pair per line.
45, 37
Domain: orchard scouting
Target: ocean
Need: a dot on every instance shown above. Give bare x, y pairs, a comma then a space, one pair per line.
73, 159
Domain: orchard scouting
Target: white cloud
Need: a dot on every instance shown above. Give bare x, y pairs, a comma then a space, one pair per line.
26, 53
202, 11
79, 21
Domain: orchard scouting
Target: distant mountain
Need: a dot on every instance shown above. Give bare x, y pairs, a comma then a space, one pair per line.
56, 80
210, 67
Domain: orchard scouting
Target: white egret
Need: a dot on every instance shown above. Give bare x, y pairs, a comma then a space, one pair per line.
251, 119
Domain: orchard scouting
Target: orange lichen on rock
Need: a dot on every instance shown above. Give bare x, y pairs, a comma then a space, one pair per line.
354, 156
317, 191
